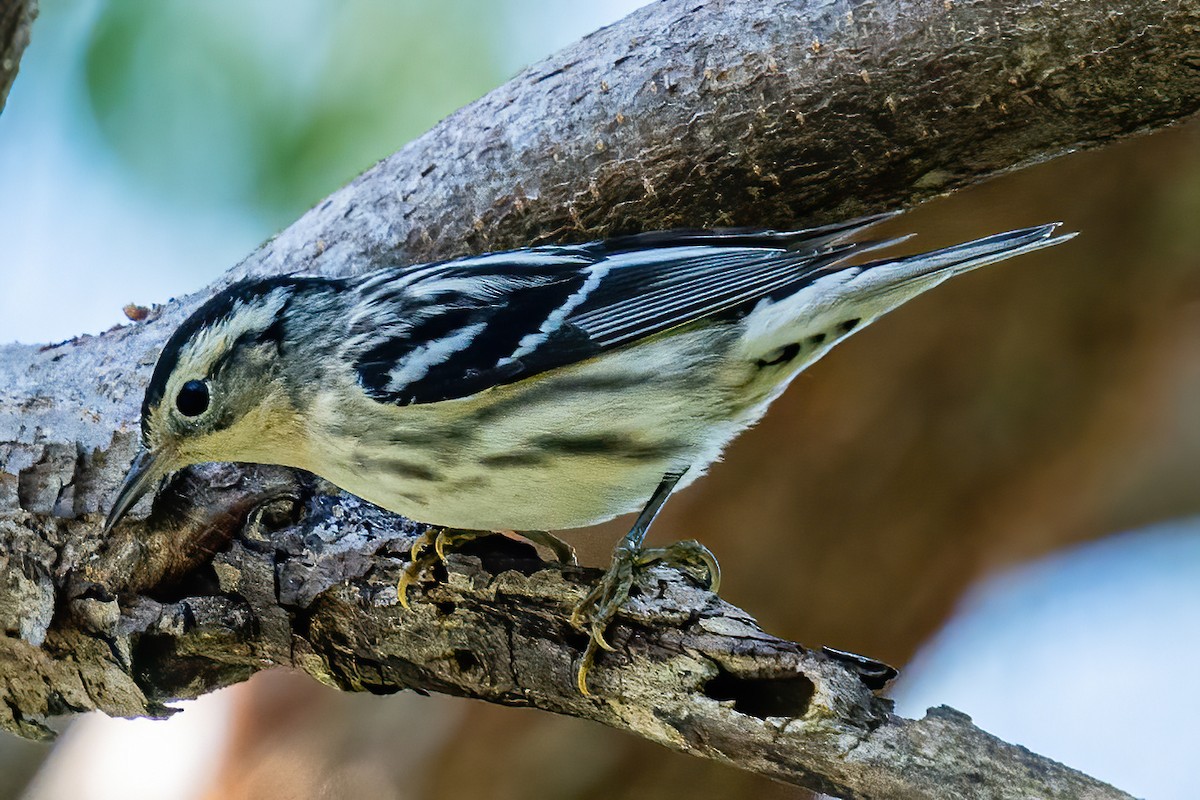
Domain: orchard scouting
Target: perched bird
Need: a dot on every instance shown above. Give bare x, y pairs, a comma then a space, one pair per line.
534, 390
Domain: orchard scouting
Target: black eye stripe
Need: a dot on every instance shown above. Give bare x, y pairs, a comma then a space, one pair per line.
192, 400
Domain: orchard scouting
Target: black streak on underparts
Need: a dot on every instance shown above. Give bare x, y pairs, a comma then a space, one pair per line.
786, 354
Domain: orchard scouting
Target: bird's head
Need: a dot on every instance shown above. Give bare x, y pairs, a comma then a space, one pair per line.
217, 392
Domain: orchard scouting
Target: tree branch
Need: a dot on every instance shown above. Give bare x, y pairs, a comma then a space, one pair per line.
691, 672
16, 19
764, 113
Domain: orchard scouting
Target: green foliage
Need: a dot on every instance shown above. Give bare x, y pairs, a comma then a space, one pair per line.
272, 105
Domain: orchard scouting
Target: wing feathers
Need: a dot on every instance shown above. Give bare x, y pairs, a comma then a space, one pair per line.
808, 240
437, 332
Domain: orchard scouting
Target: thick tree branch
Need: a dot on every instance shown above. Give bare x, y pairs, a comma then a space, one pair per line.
16, 19
690, 672
753, 113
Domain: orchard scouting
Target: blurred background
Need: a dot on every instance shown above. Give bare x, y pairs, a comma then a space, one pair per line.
995, 487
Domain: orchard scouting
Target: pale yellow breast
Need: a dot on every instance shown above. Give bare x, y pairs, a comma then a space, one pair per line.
569, 448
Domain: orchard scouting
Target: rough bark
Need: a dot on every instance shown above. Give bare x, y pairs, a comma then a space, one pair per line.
752, 113
16, 19
690, 672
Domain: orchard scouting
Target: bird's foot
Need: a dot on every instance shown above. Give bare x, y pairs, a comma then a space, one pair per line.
429, 550
598, 609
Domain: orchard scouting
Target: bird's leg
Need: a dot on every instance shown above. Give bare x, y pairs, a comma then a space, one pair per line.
600, 606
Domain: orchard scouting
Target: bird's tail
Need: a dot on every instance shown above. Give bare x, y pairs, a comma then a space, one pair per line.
841, 299
938, 265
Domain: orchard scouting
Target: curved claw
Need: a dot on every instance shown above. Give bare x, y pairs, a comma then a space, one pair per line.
684, 554
596, 611
419, 544
598, 636
450, 539
427, 550
714, 572
412, 572
402, 589
564, 553
585, 665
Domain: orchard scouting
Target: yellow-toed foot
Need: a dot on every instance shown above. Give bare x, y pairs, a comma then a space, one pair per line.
429, 550
598, 609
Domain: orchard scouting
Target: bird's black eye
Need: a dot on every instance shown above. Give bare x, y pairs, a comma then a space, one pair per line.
192, 400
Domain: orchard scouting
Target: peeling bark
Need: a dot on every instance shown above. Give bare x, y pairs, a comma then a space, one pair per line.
764, 113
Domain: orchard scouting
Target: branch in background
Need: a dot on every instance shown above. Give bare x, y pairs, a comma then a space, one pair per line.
16, 18
752, 113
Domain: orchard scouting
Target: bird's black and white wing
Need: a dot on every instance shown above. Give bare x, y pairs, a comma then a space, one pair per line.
449, 330
443, 331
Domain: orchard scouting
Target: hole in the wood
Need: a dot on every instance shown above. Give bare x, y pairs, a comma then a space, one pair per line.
445, 609
302, 622
763, 697
575, 639
500, 553
152, 648
94, 591
199, 582
466, 660
279, 513
162, 672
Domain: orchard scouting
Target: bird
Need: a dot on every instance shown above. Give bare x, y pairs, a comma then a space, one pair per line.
540, 389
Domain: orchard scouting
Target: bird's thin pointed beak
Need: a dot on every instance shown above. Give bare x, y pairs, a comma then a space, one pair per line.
143, 474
